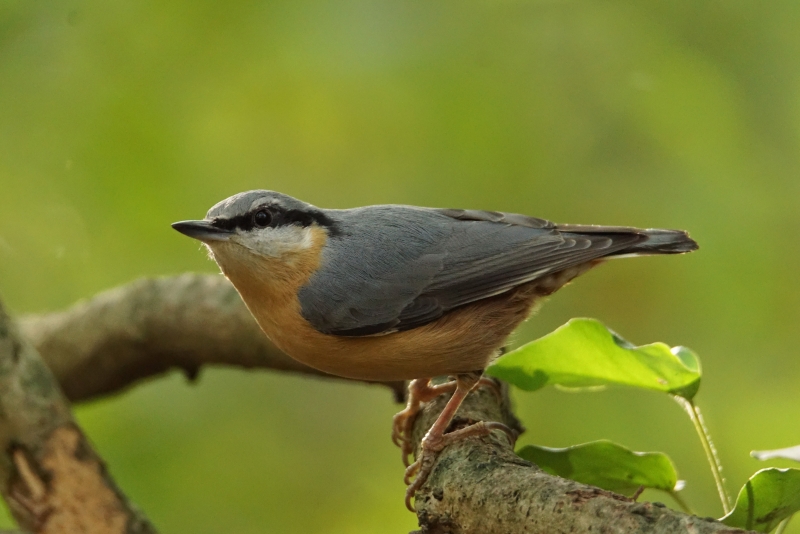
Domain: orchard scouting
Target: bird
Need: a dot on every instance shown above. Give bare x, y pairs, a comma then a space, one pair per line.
396, 292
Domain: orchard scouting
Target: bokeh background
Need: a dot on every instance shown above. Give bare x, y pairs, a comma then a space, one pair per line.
120, 117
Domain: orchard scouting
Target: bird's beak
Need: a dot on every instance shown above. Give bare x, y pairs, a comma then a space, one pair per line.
202, 230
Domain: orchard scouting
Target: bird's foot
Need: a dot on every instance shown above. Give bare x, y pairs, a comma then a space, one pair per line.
432, 445
419, 392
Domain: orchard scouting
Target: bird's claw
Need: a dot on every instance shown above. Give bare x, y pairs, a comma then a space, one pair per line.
401, 433
422, 468
397, 428
419, 391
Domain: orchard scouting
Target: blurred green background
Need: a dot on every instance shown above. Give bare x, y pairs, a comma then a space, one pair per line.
120, 117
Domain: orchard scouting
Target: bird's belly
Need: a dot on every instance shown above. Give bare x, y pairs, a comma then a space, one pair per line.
385, 358
461, 341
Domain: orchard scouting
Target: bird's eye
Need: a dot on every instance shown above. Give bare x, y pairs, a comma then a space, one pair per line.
262, 218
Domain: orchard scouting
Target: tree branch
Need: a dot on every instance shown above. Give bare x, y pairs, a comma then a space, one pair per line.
50, 477
151, 326
479, 485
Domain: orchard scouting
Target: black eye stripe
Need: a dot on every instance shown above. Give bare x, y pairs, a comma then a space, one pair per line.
277, 217
242, 222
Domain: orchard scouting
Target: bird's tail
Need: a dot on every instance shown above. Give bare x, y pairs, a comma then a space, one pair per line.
651, 240
664, 242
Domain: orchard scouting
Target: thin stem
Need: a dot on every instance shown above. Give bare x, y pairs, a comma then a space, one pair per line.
708, 447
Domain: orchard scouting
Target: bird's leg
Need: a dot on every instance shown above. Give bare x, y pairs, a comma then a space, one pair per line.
421, 391
435, 439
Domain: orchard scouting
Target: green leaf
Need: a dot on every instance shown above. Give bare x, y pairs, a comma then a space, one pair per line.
791, 453
606, 465
769, 497
585, 353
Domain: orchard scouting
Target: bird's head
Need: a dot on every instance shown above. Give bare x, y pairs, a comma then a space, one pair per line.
258, 233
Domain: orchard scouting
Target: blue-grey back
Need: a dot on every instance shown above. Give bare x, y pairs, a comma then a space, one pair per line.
389, 268
387, 265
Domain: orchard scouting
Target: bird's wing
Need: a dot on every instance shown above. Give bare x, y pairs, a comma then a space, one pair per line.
395, 268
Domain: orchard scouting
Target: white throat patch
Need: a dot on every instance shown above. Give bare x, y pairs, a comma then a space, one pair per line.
275, 242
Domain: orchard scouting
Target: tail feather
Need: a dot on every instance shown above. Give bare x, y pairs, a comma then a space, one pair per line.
653, 240
664, 242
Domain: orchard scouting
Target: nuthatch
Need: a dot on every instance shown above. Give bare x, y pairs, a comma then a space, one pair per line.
401, 292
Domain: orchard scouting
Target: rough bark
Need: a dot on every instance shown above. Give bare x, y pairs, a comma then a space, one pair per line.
143, 329
50, 476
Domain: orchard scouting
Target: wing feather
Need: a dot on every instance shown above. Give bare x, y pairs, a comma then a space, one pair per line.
426, 262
